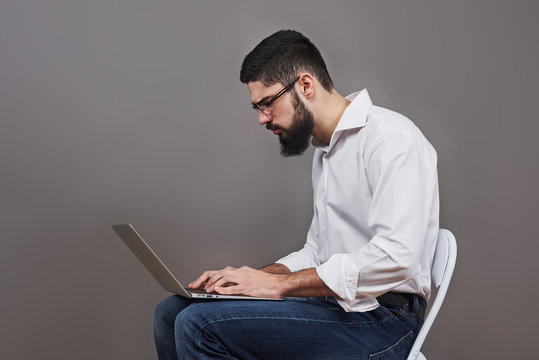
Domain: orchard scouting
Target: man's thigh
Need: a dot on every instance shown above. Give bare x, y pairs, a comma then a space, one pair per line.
307, 328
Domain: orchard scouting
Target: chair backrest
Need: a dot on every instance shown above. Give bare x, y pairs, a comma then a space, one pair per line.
445, 257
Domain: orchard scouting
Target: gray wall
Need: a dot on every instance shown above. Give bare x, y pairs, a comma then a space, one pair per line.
131, 111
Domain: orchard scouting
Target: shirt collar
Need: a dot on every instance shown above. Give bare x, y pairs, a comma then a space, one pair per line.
354, 116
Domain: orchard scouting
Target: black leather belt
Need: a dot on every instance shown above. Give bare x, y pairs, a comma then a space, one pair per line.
404, 300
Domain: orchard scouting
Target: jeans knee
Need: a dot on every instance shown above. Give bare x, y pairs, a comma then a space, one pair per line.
187, 320
167, 310
191, 324
161, 310
195, 333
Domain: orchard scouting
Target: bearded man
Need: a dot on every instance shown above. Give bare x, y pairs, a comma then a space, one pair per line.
358, 288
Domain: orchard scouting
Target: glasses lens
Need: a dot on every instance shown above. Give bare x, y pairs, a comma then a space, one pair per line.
265, 109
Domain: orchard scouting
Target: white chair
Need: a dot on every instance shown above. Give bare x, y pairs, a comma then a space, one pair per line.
443, 265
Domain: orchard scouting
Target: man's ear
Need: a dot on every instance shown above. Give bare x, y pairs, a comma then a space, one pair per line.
306, 84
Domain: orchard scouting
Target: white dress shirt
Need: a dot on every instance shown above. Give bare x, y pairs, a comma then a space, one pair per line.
376, 208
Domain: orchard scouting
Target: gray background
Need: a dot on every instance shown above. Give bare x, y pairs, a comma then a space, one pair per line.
131, 111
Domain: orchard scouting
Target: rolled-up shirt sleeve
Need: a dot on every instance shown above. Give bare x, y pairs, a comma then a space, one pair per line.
402, 178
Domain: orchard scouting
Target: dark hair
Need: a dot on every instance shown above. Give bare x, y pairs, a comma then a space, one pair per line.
280, 57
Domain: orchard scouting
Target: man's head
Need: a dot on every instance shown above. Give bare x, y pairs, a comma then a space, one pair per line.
274, 70
280, 57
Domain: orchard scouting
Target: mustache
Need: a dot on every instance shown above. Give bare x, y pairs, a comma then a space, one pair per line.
271, 126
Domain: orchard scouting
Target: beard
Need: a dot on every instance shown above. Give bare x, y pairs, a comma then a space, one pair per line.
295, 140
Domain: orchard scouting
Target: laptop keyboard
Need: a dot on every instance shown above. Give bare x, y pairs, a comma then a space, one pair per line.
200, 291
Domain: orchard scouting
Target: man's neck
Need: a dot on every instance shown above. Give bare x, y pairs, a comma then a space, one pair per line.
327, 115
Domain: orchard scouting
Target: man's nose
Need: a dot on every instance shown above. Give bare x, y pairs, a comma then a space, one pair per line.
263, 118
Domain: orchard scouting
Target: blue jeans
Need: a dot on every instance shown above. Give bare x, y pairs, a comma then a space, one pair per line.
295, 328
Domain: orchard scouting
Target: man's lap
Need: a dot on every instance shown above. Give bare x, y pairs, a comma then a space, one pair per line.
290, 328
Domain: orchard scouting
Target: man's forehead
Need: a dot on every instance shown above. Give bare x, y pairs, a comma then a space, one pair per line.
259, 91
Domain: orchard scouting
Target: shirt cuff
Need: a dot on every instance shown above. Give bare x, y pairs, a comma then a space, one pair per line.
341, 275
296, 261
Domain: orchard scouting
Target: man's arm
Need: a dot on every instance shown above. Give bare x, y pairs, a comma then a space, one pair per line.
276, 269
304, 283
252, 282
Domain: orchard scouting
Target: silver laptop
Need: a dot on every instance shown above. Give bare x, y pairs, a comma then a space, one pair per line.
160, 272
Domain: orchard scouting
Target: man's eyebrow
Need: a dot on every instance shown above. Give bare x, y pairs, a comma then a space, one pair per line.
261, 100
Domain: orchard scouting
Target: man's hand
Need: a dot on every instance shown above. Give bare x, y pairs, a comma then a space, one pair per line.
252, 282
243, 280
203, 279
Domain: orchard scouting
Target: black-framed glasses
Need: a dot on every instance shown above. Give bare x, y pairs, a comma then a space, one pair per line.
265, 105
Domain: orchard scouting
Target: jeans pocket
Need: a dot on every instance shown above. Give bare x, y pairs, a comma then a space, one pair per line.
411, 318
399, 350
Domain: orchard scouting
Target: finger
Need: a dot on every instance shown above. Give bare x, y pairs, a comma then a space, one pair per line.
228, 290
226, 279
217, 278
199, 281
202, 279
213, 279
